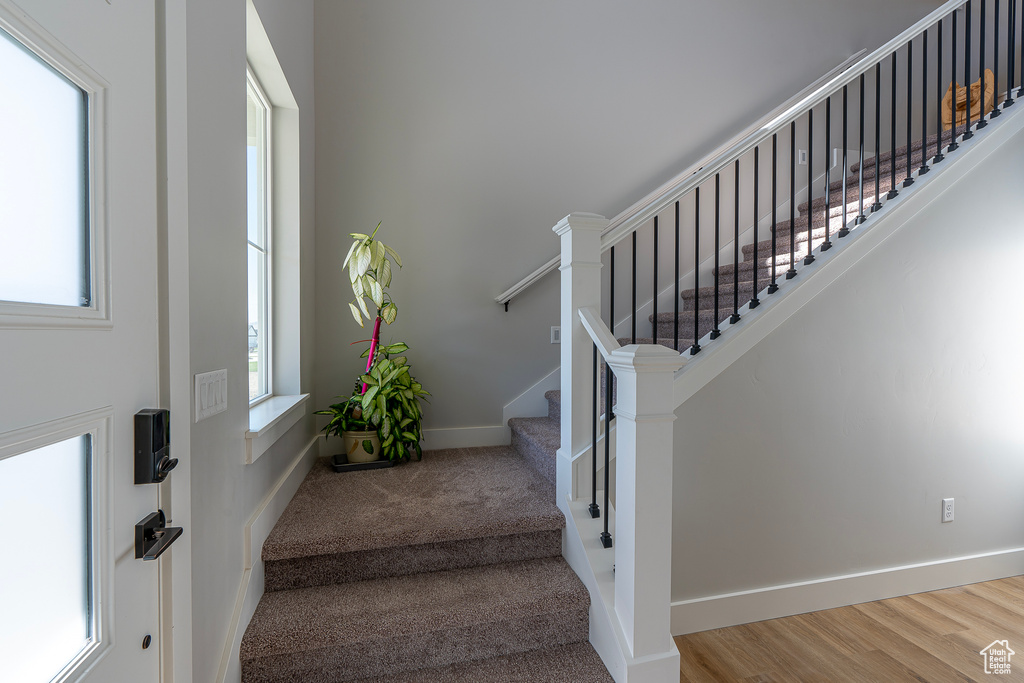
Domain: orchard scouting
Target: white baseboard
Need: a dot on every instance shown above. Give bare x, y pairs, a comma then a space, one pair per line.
531, 403
466, 437
718, 611
256, 530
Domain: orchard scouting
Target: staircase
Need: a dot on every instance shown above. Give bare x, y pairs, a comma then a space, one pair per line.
448, 569
808, 226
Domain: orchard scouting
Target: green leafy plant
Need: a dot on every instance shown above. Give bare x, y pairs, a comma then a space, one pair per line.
390, 402
386, 396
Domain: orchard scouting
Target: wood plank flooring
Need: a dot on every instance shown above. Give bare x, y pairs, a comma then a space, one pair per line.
933, 637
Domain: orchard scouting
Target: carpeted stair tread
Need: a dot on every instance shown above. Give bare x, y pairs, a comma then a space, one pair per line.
536, 439
554, 399
782, 241
725, 291
378, 628
451, 495
573, 663
901, 153
835, 198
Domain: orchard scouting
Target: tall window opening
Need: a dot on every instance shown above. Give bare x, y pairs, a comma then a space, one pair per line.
258, 191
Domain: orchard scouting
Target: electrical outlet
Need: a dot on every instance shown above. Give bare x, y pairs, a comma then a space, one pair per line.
801, 157
556, 335
947, 509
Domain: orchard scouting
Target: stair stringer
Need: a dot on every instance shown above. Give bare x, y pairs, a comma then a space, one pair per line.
594, 566
775, 309
581, 547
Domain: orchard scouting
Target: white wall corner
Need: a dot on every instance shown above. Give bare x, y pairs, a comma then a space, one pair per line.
255, 533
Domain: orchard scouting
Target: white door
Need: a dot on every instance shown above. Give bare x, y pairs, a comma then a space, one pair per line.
78, 338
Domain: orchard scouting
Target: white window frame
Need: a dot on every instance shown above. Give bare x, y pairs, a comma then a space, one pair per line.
98, 424
23, 315
266, 355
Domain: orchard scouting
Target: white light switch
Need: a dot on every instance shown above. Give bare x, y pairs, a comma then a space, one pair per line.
211, 393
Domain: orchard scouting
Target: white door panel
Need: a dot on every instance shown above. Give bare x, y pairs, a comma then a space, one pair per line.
53, 369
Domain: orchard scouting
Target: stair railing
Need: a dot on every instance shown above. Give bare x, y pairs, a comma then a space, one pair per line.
892, 99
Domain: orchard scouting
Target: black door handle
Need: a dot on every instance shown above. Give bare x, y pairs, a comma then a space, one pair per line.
153, 536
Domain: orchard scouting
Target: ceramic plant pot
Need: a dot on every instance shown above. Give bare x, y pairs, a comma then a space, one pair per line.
361, 446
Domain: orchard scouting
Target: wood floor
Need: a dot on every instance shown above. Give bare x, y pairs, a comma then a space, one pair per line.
934, 637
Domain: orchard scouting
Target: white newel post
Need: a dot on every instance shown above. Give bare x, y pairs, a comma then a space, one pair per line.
580, 235
643, 502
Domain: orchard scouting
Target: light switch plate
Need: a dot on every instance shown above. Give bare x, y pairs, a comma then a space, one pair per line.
211, 393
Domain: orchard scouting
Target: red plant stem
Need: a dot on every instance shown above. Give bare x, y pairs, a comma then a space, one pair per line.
374, 342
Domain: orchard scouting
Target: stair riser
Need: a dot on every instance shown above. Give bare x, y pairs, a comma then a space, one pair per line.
379, 655
539, 457
323, 570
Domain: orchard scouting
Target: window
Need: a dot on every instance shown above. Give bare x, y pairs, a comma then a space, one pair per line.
259, 191
44, 226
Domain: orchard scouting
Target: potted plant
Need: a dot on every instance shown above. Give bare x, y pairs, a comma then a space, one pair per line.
385, 399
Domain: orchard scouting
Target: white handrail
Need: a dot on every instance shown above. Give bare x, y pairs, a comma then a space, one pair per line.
629, 220
599, 332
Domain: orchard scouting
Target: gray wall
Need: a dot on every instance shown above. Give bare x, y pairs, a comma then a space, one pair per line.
827, 448
471, 128
225, 491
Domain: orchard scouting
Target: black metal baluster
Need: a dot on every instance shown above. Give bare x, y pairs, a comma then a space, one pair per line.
791, 273
754, 302
892, 136
654, 303
968, 133
809, 259
715, 332
843, 230
924, 105
774, 287
909, 180
632, 333
1011, 49
952, 48
878, 133
595, 510
860, 166
938, 95
735, 317
695, 349
675, 321
827, 244
981, 66
609, 383
996, 111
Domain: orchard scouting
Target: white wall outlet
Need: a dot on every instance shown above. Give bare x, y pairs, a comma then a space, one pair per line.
556, 335
947, 509
801, 157
211, 393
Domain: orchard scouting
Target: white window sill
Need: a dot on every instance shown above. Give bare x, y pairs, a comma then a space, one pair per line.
269, 420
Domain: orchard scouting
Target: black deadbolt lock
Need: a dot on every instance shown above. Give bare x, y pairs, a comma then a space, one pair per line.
153, 460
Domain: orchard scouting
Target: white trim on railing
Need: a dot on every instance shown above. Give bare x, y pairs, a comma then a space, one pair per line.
673, 184
620, 229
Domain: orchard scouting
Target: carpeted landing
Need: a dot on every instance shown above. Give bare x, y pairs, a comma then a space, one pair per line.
443, 570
